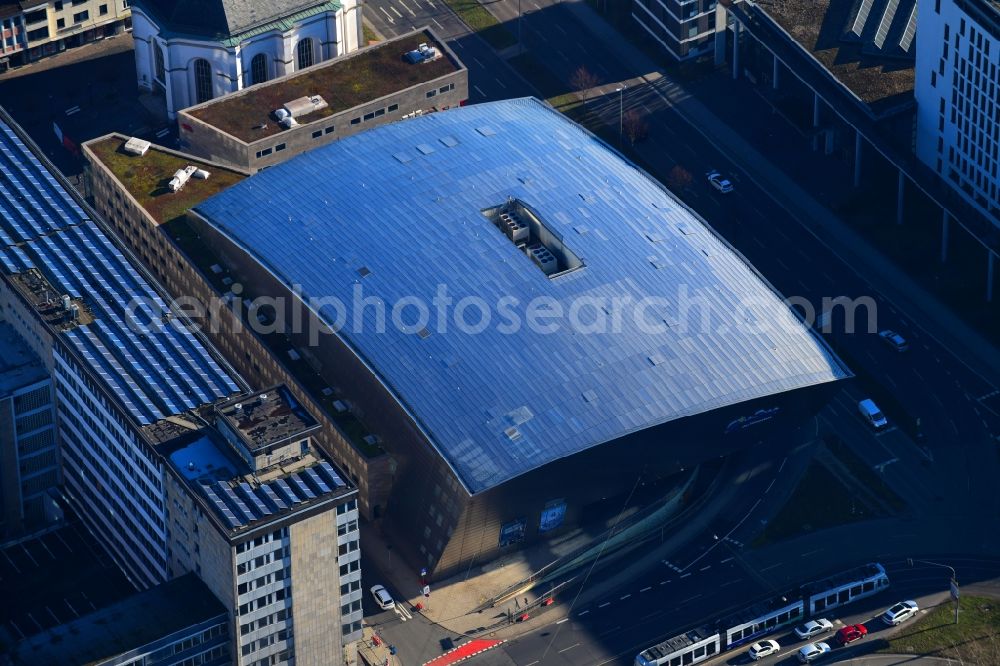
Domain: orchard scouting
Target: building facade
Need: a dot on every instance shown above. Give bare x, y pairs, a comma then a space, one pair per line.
29, 458
169, 474
684, 28
33, 30
192, 52
241, 129
958, 97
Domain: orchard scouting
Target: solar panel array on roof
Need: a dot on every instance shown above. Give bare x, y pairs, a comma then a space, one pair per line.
498, 403
157, 369
243, 504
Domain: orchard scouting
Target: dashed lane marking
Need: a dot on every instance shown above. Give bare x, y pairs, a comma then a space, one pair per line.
625, 597
565, 619
646, 589
606, 603
664, 582
686, 575
583, 612
732, 582
706, 567
569, 648
728, 559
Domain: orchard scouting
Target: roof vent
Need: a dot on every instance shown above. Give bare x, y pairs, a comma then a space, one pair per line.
181, 176
136, 146
200, 174
302, 106
423, 53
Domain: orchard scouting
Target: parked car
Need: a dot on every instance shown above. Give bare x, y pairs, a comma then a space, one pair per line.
763, 649
899, 613
721, 184
813, 628
872, 415
383, 598
851, 633
894, 340
812, 652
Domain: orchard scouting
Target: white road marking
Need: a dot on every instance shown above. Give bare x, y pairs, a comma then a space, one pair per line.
388, 16
583, 612
767, 491
396, 11
569, 648
664, 582
706, 567
732, 582
773, 566
559, 28
478, 62
606, 603
686, 575
501, 83
782, 466
646, 589
691, 598
625, 597
811, 552
408, 8
728, 559
481, 93
440, 27
565, 619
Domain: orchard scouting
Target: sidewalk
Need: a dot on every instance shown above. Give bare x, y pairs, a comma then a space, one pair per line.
930, 314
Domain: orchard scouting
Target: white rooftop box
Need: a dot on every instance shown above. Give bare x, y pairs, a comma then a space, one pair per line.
136, 146
304, 105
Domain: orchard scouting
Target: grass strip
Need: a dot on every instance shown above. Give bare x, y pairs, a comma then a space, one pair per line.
479, 19
974, 640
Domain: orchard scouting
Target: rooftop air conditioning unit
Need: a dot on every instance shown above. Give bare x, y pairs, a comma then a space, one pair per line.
287, 122
200, 174
304, 105
281, 114
181, 176
135, 146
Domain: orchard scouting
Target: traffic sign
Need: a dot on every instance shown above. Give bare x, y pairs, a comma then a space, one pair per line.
954, 590
427, 590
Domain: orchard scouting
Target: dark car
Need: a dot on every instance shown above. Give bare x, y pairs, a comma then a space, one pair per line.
851, 633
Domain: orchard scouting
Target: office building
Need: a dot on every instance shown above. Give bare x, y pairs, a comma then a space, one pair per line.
958, 97
29, 459
165, 470
684, 28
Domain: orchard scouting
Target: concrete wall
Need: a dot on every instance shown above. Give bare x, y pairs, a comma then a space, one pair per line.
315, 591
213, 144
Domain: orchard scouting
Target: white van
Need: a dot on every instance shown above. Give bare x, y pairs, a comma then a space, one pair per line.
872, 414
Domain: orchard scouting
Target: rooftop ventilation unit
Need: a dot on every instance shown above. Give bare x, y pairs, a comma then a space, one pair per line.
135, 146
423, 53
181, 176
543, 258
287, 122
200, 174
302, 106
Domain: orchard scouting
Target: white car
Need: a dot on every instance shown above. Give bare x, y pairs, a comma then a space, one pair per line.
383, 598
813, 628
812, 652
763, 649
716, 180
899, 613
894, 340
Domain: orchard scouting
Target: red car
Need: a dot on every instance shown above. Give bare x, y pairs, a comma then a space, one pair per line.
851, 633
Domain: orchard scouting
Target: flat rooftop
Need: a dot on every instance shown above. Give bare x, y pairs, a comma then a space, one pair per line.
228, 489
128, 624
19, 366
267, 418
344, 83
823, 28
499, 401
146, 177
56, 256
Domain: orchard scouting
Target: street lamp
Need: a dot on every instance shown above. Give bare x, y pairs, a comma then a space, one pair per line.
520, 44
621, 112
953, 584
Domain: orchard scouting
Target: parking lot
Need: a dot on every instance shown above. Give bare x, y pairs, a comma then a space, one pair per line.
55, 578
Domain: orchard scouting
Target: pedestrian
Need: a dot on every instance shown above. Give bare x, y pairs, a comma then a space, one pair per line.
526, 602
517, 604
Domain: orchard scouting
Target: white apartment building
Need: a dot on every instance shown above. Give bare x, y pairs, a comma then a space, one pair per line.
191, 52
37, 28
958, 96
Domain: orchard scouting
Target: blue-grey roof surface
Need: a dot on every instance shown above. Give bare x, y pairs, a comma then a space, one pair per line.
396, 211
155, 371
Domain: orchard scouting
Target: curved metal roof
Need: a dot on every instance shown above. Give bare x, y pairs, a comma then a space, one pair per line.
397, 213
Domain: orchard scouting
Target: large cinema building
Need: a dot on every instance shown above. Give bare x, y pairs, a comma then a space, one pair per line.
525, 320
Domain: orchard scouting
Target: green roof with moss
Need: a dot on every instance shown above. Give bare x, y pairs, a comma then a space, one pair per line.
344, 83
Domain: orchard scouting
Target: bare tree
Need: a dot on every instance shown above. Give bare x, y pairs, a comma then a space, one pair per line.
583, 79
635, 126
679, 178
